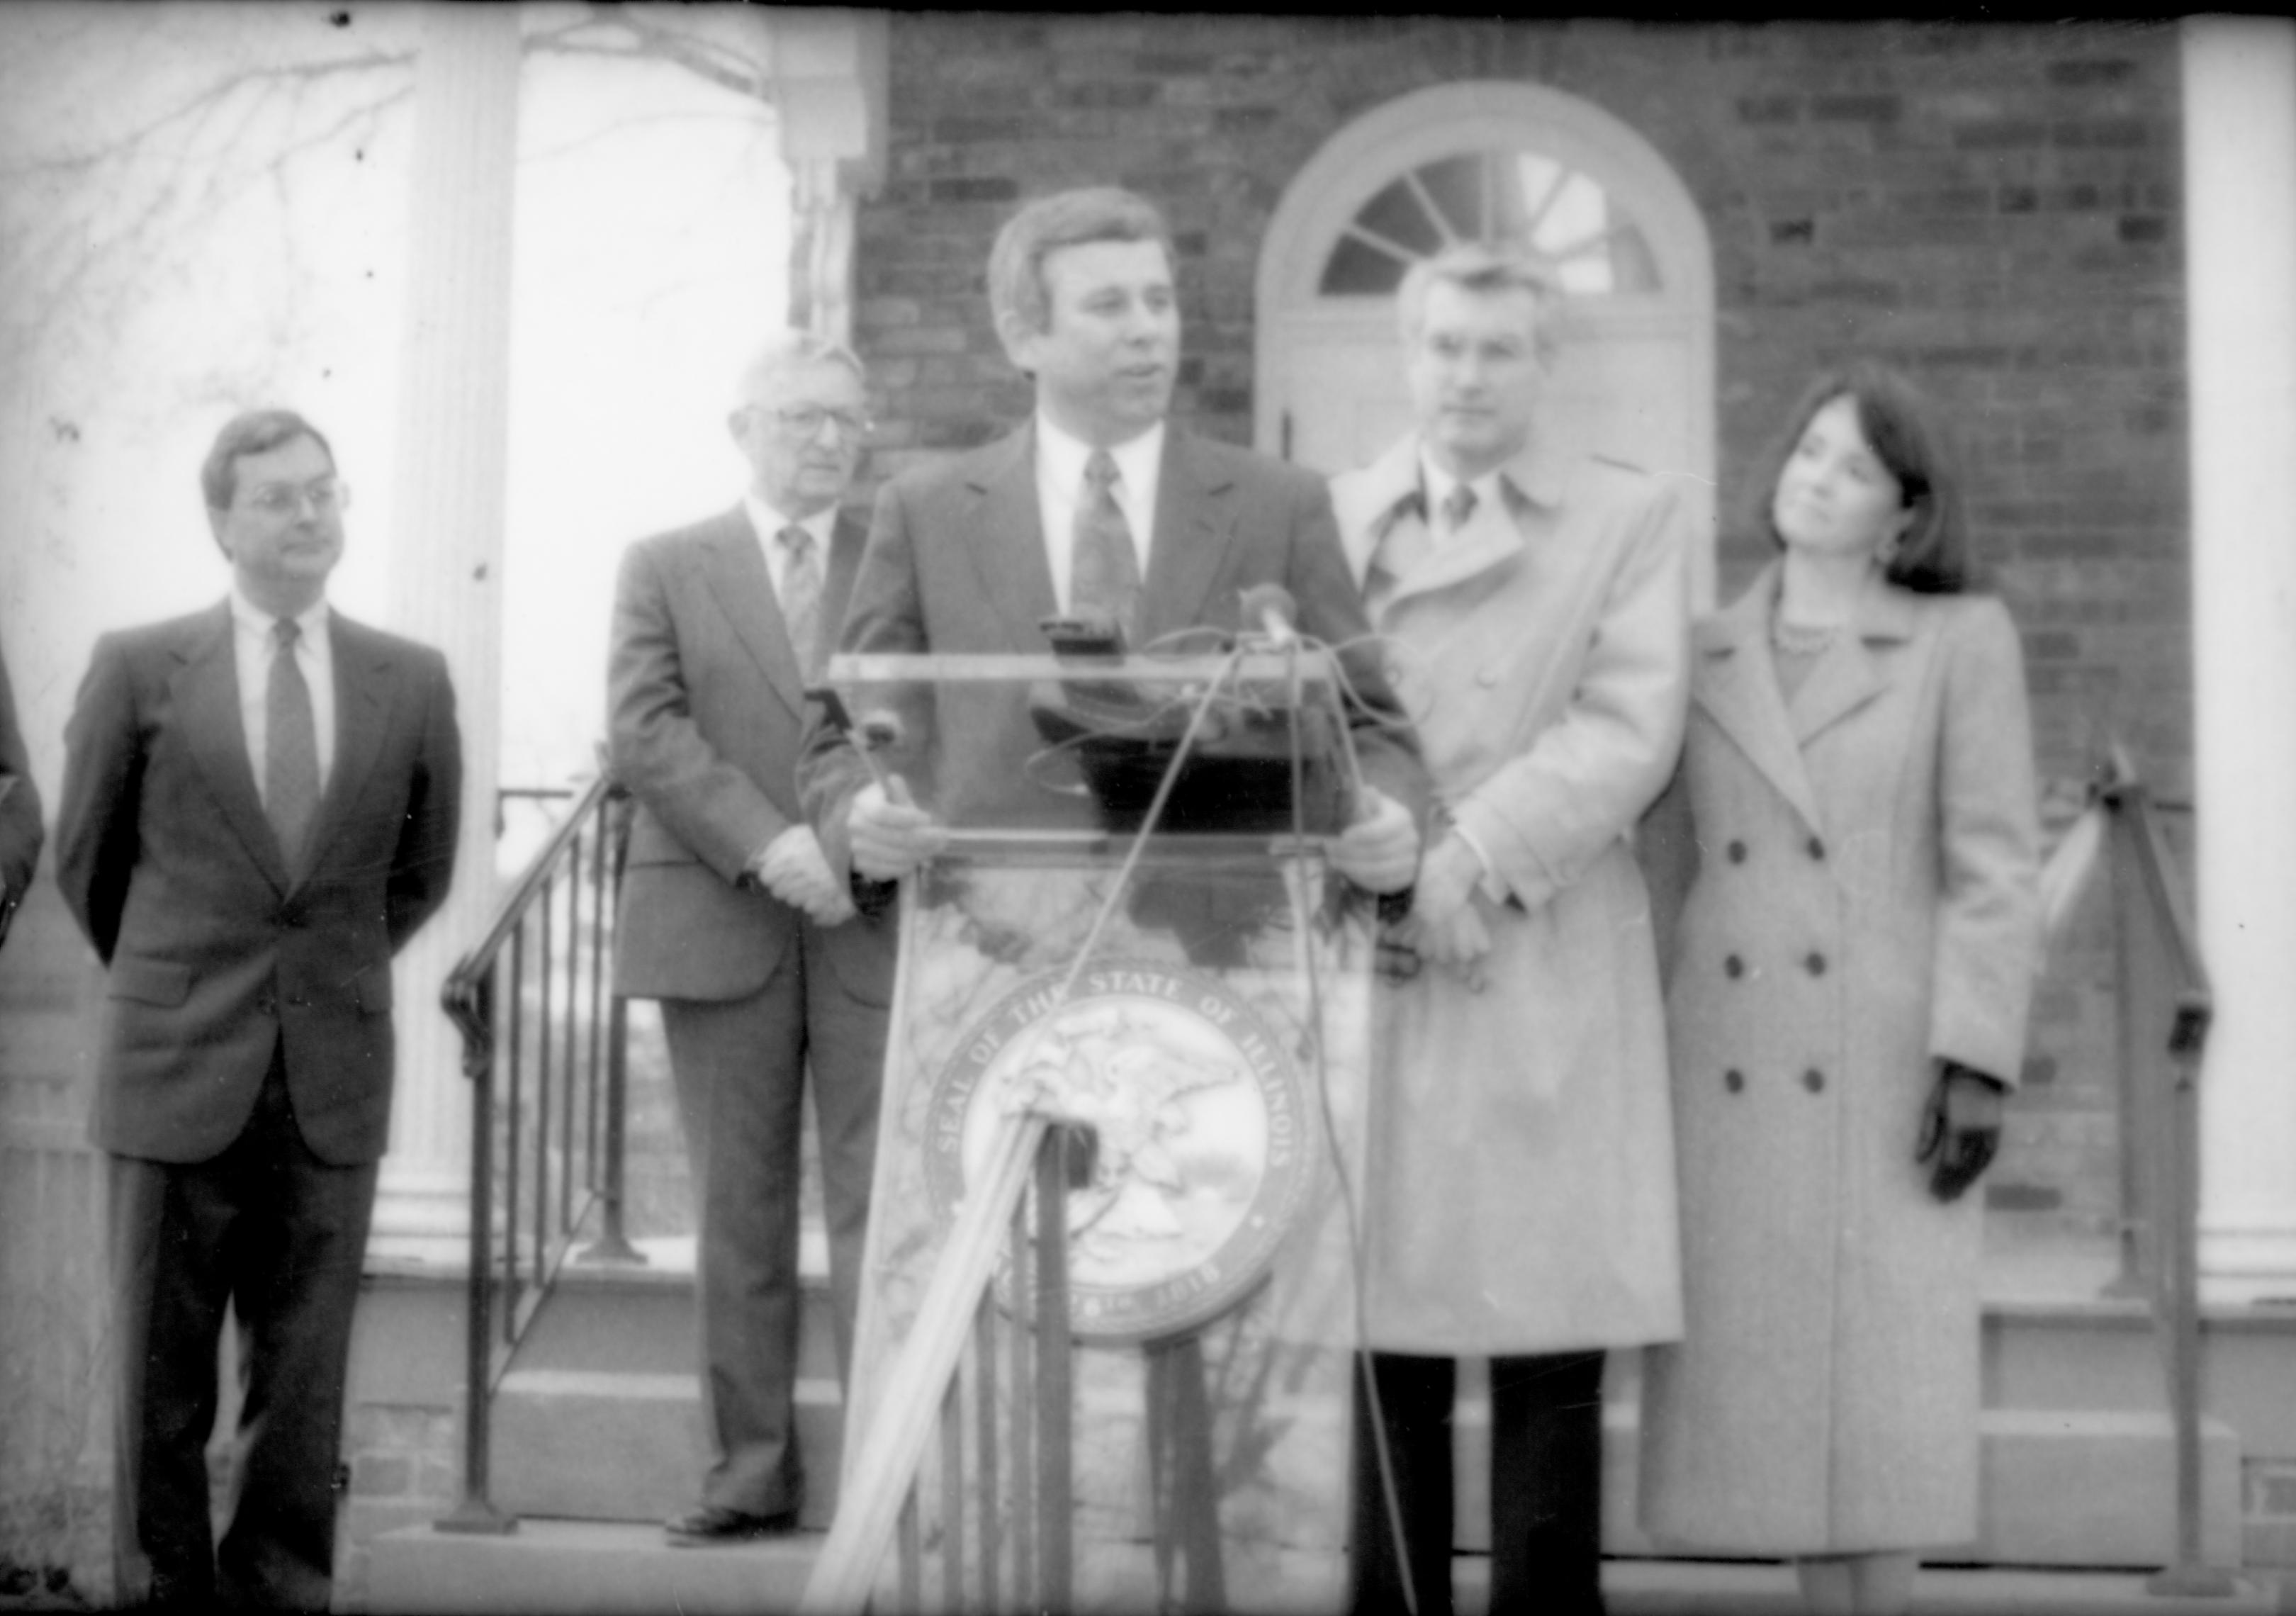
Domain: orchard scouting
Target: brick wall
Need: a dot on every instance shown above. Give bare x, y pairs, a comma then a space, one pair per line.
1995, 207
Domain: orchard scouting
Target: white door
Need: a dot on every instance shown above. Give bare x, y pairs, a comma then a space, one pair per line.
1492, 162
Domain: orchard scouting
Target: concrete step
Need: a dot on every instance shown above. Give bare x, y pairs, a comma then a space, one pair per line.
600, 1415
576, 1567
581, 1568
629, 1446
639, 1317
2091, 1487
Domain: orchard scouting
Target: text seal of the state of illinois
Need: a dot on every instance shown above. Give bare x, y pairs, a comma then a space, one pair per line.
1201, 1159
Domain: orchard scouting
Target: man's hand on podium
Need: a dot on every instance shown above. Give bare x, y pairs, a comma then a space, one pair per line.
1380, 851
888, 833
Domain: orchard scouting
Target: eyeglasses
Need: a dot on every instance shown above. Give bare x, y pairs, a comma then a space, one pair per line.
325, 496
805, 420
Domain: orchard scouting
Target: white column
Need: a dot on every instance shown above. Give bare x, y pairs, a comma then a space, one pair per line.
2239, 256
446, 557
827, 82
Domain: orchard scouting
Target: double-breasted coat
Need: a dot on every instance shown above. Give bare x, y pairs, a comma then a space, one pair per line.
1520, 1197
1858, 901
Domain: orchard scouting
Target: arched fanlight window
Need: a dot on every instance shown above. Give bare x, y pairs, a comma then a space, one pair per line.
1492, 196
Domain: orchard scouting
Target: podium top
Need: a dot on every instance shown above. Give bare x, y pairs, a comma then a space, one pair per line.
1311, 665
1253, 740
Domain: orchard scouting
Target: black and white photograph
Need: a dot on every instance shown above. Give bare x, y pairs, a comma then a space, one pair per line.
824, 810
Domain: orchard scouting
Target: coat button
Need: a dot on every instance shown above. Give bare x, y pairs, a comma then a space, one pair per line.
1737, 852
1734, 966
1813, 1079
1733, 1079
1816, 964
1488, 678
1816, 847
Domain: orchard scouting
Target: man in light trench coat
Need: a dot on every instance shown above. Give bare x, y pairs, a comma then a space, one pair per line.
1520, 1202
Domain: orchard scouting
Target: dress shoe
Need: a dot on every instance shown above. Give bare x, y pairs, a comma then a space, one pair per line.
708, 1524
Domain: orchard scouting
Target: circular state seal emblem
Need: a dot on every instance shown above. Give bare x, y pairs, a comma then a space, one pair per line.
1198, 1163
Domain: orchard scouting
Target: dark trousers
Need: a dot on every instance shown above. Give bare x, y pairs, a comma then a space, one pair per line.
1547, 1484
279, 1236
739, 1069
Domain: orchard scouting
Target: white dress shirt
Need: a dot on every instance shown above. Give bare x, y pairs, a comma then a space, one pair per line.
1060, 487
252, 647
768, 522
1439, 484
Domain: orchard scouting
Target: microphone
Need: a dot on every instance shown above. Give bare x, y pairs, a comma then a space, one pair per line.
1272, 609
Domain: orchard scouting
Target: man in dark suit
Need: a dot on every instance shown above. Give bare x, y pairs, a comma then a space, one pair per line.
1098, 509
730, 916
259, 809
20, 811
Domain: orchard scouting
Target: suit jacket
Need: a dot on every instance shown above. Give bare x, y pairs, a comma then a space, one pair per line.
217, 952
1521, 1194
706, 710
955, 564
20, 810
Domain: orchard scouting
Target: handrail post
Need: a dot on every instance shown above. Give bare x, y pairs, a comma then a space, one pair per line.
2141, 1190
2191, 1575
474, 1012
1055, 1483
613, 1243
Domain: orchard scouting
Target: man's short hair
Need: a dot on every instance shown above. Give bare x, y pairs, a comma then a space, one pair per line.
1070, 218
1475, 267
786, 351
255, 432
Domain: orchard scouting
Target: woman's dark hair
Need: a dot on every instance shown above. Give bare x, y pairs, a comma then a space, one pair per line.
1898, 425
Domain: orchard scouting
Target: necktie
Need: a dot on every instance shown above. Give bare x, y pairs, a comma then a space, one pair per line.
291, 760
802, 595
1457, 507
1104, 568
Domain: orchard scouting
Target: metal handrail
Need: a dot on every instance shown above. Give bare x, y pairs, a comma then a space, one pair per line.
2166, 1009
538, 1185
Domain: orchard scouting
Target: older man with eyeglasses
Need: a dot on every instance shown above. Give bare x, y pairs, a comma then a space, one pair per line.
730, 916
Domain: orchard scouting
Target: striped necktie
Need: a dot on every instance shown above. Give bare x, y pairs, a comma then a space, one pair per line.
802, 595
1104, 567
291, 751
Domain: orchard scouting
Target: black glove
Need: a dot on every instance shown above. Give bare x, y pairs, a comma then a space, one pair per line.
1961, 1128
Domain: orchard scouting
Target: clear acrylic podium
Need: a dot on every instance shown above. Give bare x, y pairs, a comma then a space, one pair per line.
1146, 1402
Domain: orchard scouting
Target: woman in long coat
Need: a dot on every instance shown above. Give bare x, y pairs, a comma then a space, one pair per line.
1846, 992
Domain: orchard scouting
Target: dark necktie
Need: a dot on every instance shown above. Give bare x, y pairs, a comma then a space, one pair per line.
802, 595
290, 759
1104, 568
1457, 507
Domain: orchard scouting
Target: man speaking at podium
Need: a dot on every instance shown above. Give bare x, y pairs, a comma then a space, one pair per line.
1099, 509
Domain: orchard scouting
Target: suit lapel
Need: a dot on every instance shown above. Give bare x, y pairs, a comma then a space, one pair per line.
1190, 544
846, 540
743, 591
1006, 540
1737, 687
206, 694
366, 682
